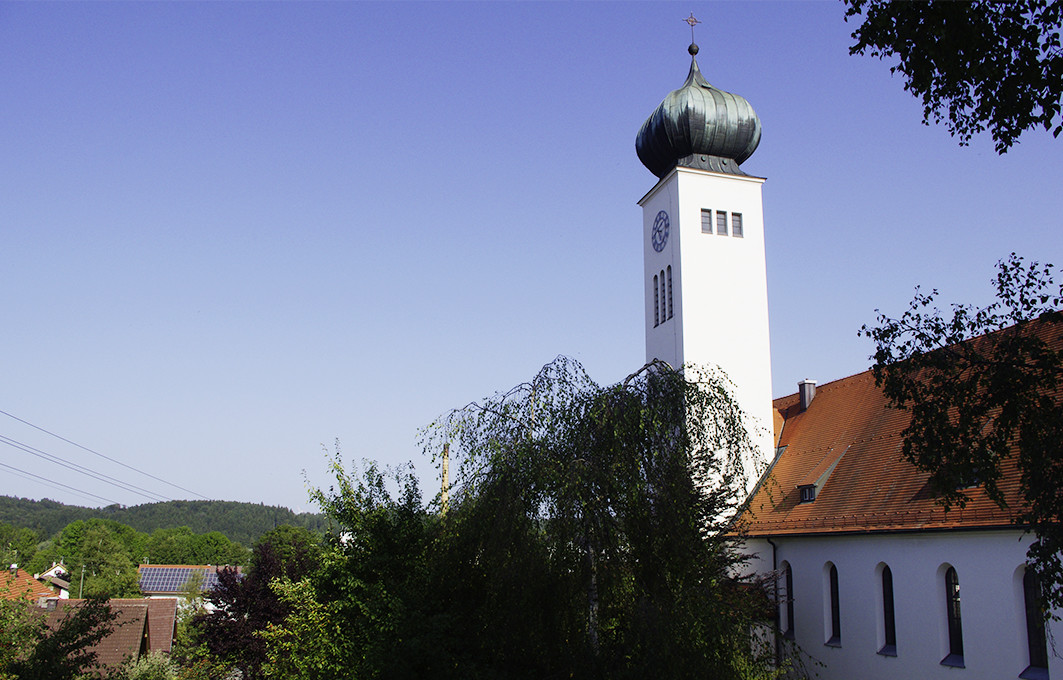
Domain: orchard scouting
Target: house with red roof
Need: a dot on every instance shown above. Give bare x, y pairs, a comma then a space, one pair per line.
143, 625
15, 584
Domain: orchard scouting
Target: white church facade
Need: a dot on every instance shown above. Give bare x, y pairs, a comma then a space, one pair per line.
870, 569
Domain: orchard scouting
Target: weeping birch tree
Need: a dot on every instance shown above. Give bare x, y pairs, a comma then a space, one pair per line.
588, 529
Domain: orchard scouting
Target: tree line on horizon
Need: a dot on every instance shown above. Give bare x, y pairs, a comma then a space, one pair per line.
241, 522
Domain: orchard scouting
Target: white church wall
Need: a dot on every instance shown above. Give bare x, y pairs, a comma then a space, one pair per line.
989, 566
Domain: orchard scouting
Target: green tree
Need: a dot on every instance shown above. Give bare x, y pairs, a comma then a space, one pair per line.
297, 548
587, 539
181, 545
983, 389
109, 571
104, 551
65, 652
17, 545
976, 65
310, 643
361, 614
594, 525
152, 666
171, 546
20, 629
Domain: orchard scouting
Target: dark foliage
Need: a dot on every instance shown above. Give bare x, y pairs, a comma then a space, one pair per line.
976, 65
65, 652
589, 538
984, 387
245, 605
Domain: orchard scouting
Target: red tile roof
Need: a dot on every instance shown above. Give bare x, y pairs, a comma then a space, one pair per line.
871, 488
22, 586
162, 620
128, 638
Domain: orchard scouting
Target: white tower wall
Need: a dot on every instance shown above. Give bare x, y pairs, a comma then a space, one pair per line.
718, 287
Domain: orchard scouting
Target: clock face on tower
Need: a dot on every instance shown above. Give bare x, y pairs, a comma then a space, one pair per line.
659, 237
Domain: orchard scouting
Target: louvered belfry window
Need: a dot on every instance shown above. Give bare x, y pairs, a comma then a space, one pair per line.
706, 221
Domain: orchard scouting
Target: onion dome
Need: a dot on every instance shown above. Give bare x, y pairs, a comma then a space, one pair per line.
698, 126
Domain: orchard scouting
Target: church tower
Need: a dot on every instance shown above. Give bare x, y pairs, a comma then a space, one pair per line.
703, 236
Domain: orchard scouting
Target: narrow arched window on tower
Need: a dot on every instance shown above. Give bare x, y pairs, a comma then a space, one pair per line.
664, 310
656, 303
1036, 641
889, 623
952, 615
669, 291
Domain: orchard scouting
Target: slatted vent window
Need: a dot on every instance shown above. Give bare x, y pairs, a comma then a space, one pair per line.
721, 222
706, 221
736, 225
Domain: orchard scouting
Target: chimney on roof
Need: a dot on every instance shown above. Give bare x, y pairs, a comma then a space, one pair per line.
806, 390
14, 569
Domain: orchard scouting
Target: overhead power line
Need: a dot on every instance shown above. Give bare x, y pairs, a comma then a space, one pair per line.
99, 476
53, 483
97, 453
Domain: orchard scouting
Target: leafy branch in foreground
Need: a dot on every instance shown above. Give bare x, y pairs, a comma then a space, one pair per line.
65, 651
976, 65
983, 387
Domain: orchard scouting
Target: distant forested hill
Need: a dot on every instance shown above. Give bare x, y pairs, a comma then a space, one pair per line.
240, 522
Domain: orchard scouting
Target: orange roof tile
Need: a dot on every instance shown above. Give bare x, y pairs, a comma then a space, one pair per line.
22, 586
128, 638
162, 620
871, 488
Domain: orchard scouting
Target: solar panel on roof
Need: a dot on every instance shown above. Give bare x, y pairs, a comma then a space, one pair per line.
172, 579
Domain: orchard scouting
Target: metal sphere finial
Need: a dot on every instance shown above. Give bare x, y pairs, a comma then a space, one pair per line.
693, 49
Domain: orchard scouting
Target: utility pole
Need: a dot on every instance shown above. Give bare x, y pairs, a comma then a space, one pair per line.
81, 590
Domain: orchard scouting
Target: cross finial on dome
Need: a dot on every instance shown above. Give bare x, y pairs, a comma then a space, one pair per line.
693, 49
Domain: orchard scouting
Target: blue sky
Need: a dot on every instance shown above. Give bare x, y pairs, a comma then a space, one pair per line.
236, 232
